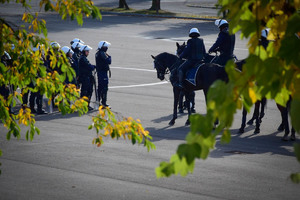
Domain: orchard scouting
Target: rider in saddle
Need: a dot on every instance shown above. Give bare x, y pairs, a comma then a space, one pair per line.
224, 43
194, 52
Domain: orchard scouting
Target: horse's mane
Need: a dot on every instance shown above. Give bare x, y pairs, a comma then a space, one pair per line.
167, 56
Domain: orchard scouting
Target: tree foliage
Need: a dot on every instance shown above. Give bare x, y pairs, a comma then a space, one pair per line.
26, 66
273, 73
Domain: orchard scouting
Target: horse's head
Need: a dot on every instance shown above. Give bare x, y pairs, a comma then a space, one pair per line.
160, 68
180, 48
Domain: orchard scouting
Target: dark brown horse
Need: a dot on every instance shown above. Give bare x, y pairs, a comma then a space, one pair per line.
206, 74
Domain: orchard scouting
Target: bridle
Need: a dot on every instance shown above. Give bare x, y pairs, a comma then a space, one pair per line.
161, 70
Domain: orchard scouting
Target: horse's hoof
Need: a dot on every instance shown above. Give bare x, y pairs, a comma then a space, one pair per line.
172, 122
193, 110
285, 137
187, 123
241, 130
256, 131
180, 111
280, 127
293, 137
250, 122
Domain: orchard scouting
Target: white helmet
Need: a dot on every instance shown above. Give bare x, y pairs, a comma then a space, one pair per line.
76, 40
194, 31
37, 48
67, 49
85, 48
55, 45
220, 22
6, 56
77, 45
265, 32
103, 44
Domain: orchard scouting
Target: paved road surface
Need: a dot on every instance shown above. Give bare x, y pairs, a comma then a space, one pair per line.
62, 163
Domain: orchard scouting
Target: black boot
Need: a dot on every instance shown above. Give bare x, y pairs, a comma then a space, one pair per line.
180, 79
104, 99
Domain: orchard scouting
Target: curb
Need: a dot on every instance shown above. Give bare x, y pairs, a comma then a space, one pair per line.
159, 16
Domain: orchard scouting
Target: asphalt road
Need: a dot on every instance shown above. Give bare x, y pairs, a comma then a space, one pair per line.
62, 163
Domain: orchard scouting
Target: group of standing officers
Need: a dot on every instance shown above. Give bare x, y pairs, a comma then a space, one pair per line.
77, 56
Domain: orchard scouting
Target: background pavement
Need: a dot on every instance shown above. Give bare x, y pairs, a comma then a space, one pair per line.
62, 163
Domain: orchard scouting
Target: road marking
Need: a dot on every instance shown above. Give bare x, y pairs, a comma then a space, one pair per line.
139, 85
136, 69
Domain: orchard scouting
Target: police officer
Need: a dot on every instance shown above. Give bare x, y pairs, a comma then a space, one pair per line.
76, 49
263, 39
103, 60
35, 97
4, 89
194, 52
224, 43
69, 54
85, 74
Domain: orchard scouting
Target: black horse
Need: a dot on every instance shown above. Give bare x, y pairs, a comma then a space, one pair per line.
206, 74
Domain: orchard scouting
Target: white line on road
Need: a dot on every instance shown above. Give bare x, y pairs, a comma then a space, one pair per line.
139, 85
136, 69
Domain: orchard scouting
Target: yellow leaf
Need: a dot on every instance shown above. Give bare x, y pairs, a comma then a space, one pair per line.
252, 95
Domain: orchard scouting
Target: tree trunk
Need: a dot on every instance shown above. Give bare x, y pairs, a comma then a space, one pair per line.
155, 5
123, 4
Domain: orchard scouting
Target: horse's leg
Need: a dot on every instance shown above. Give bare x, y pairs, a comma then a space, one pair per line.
176, 93
242, 129
262, 109
180, 106
256, 117
281, 126
187, 100
285, 122
192, 99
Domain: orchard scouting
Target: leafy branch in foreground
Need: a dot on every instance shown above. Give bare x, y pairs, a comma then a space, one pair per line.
25, 66
128, 127
273, 73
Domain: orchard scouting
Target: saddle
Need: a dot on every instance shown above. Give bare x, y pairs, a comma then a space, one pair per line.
192, 73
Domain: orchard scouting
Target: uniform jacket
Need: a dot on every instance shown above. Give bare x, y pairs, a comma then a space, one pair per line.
224, 43
85, 68
103, 60
195, 49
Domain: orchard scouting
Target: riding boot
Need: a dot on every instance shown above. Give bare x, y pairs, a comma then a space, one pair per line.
180, 79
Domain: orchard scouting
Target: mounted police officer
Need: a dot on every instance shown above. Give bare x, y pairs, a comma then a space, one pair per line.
194, 53
85, 74
224, 43
103, 60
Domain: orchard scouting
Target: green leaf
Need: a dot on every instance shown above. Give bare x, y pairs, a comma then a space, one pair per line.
297, 151
189, 152
226, 136
295, 177
294, 111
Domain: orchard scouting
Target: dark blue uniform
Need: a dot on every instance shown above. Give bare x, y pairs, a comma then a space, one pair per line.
225, 45
86, 76
194, 53
75, 65
103, 60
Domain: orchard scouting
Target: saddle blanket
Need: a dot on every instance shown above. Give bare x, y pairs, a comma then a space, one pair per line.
191, 74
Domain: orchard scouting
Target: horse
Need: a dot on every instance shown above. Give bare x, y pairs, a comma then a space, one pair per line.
206, 74
257, 116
